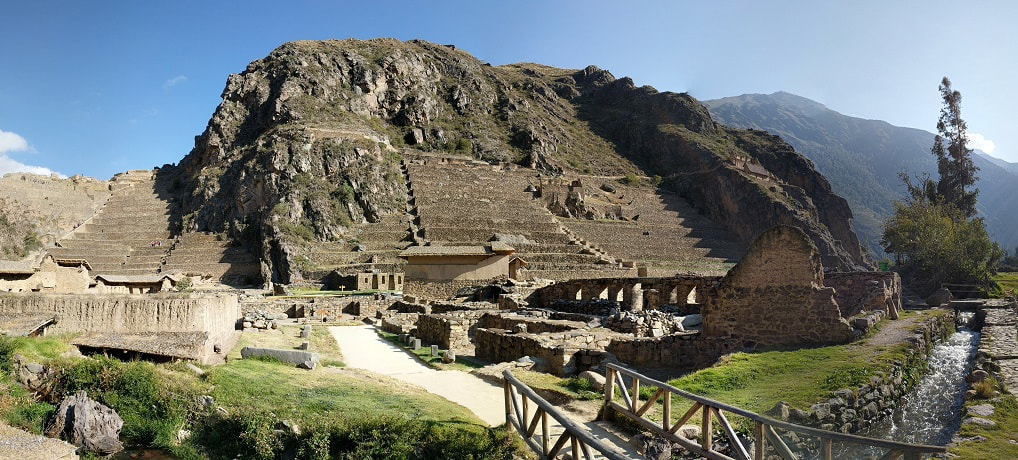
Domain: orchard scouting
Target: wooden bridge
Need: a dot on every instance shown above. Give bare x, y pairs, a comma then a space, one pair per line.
553, 434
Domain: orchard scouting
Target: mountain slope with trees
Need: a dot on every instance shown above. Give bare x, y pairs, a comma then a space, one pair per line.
862, 159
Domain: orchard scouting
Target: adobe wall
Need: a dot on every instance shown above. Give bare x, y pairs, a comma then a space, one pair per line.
215, 314
856, 292
457, 268
776, 296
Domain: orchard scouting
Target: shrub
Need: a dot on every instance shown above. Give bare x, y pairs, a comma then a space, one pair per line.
985, 389
184, 284
631, 179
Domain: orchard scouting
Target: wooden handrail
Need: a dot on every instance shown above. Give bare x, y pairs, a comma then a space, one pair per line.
517, 397
711, 410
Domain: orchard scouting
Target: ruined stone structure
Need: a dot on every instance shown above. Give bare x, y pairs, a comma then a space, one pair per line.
58, 276
776, 296
376, 280
177, 327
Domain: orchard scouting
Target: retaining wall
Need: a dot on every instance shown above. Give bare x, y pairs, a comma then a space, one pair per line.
214, 314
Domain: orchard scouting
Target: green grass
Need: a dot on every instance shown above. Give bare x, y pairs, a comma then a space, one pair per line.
1000, 440
1007, 283
341, 413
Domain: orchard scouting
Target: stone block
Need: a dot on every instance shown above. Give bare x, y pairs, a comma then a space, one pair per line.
306, 332
302, 359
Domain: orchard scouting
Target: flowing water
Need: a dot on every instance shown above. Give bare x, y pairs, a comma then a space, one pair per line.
931, 412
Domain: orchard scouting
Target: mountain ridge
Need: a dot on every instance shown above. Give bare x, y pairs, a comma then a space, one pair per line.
309, 139
862, 159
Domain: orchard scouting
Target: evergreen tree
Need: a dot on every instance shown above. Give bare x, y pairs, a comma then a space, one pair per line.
954, 163
933, 232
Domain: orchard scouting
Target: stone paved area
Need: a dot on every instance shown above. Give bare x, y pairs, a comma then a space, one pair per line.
999, 341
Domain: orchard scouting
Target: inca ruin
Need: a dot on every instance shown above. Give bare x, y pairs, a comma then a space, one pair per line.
369, 225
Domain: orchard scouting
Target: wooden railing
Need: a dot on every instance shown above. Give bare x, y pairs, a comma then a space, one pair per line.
518, 401
765, 433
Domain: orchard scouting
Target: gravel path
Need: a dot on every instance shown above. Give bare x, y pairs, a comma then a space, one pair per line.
21, 445
363, 348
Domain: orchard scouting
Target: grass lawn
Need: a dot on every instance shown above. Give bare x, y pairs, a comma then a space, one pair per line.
757, 381
1008, 283
1001, 440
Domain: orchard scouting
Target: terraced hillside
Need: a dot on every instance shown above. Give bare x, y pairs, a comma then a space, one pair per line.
52, 206
129, 235
133, 234
665, 234
457, 202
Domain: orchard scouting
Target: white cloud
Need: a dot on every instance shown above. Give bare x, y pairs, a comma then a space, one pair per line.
7, 165
174, 81
12, 142
977, 141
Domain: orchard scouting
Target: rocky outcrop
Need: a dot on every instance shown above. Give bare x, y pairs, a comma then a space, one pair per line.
87, 424
309, 140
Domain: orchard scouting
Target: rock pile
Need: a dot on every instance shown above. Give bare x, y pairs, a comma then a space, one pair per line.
651, 323
262, 320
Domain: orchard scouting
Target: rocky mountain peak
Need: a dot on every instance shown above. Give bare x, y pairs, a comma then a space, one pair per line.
309, 140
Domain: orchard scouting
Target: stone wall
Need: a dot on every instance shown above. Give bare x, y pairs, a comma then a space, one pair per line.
776, 296
851, 410
216, 315
630, 293
447, 331
438, 290
857, 292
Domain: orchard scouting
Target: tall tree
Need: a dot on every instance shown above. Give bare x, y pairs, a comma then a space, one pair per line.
954, 163
933, 232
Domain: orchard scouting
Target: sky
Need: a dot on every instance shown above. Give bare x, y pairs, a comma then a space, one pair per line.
101, 87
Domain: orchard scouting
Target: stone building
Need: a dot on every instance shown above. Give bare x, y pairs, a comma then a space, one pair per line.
437, 272
136, 284
376, 280
58, 276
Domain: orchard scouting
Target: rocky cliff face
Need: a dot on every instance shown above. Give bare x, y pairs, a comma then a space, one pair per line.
310, 138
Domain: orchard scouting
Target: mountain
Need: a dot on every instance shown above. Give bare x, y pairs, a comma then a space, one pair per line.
862, 159
1013, 167
310, 139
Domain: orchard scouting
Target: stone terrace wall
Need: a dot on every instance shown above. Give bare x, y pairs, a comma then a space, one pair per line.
856, 292
687, 350
215, 314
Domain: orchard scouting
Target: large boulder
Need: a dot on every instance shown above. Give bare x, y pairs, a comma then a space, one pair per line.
939, 298
87, 424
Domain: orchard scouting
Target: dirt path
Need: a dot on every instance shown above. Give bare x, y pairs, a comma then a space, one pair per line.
895, 332
363, 348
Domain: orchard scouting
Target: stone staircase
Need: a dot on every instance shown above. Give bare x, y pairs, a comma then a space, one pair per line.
457, 202
129, 235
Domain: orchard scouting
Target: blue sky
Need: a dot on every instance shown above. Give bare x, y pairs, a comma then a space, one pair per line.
101, 87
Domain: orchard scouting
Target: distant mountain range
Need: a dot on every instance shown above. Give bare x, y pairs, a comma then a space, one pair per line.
862, 159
